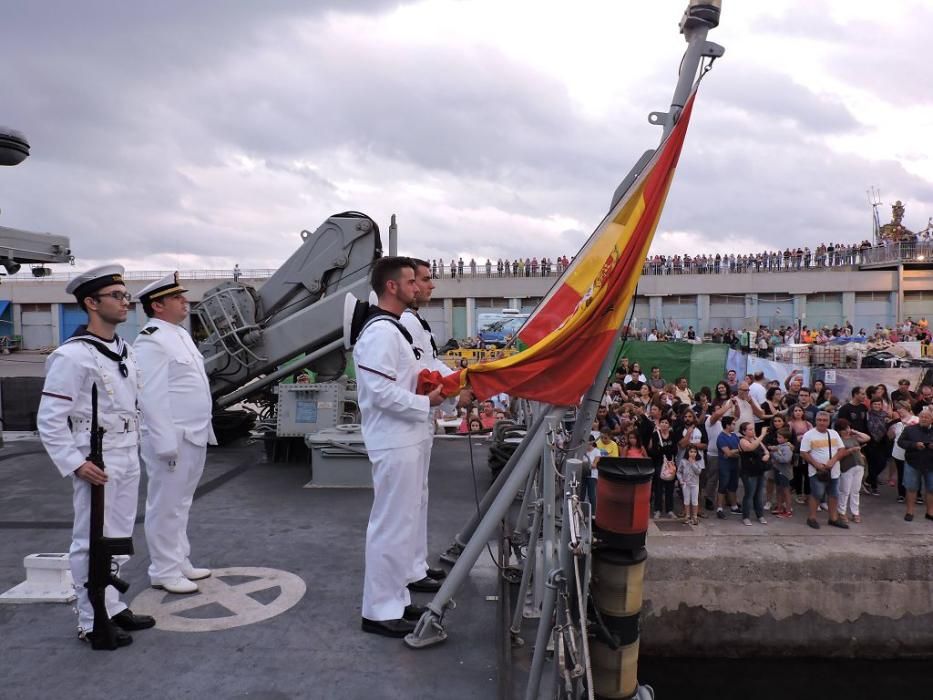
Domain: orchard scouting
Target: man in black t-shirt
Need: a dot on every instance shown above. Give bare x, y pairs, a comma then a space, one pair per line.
856, 412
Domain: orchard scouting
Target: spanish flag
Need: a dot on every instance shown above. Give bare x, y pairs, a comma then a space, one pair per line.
573, 328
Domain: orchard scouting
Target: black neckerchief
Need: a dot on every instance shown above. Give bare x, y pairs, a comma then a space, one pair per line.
85, 336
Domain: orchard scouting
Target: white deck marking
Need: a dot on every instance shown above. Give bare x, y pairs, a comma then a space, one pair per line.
167, 608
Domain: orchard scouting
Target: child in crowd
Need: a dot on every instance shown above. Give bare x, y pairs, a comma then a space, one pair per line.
782, 457
633, 447
606, 445
688, 474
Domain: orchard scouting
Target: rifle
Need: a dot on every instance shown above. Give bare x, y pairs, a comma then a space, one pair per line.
102, 570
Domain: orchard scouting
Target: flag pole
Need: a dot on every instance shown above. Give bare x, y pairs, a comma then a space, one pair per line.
699, 17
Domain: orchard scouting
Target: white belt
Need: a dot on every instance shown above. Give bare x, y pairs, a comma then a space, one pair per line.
117, 424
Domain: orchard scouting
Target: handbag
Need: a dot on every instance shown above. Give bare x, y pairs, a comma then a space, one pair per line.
825, 475
668, 468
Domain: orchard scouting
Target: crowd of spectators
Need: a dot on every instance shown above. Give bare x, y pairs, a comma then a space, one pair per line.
527, 267
824, 256
786, 443
763, 340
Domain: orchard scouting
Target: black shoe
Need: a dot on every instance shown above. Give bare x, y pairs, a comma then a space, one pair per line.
414, 612
436, 574
919, 500
425, 585
813, 523
120, 638
131, 622
388, 628
909, 517
720, 514
900, 499
839, 523
928, 516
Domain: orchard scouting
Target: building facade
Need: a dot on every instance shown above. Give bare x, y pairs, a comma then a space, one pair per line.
41, 315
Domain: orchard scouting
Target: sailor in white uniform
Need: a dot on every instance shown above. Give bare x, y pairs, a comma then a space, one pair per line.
95, 354
176, 411
393, 425
423, 577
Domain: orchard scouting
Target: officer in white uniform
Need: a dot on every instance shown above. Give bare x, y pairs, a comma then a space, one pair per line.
95, 354
423, 577
393, 426
176, 429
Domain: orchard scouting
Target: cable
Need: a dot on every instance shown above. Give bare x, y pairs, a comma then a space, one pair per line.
492, 557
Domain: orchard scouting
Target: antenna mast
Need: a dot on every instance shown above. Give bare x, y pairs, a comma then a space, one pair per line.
874, 199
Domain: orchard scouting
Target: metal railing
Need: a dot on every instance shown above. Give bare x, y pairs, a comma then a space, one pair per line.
228, 274
844, 259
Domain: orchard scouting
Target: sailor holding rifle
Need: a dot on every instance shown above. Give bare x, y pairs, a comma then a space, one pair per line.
176, 409
95, 354
393, 425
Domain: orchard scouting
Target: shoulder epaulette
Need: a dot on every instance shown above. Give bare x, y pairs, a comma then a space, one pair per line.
149, 331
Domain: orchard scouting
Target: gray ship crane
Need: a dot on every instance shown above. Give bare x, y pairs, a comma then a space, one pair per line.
257, 337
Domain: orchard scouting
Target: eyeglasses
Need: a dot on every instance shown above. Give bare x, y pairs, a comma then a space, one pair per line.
117, 296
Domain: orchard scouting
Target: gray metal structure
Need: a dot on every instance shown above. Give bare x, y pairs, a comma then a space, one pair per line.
307, 408
535, 463
255, 335
18, 247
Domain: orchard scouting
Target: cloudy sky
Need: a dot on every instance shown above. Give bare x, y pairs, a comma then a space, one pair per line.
198, 135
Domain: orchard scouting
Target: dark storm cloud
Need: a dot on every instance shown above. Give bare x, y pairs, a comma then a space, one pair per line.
140, 116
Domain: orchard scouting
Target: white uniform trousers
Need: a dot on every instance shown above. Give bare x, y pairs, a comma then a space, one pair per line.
121, 494
398, 489
168, 502
420, 563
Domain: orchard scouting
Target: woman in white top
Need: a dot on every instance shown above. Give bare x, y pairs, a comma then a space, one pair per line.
906, 417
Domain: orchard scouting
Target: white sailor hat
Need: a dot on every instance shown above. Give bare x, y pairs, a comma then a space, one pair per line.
161, 288
85, 284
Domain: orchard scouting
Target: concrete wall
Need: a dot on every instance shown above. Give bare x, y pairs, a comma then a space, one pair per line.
808, 596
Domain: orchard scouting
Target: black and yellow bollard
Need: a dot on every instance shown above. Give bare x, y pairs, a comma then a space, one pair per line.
619, 559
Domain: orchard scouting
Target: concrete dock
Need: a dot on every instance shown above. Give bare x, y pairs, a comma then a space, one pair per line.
723, 589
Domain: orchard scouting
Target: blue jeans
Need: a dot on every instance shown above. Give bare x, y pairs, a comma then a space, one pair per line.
728, 475
753, 486
913, 477
818, 488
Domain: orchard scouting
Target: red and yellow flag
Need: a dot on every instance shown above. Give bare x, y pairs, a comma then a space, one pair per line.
572, 329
